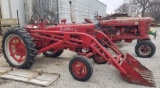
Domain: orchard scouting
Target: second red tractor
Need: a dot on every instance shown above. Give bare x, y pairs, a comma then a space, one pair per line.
128, 29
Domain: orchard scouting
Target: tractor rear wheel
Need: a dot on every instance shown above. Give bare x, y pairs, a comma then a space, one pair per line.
80, 68
145, 49
53, 54
99, 60
18, 48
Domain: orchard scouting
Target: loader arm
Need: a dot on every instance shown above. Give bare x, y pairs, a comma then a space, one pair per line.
130, 69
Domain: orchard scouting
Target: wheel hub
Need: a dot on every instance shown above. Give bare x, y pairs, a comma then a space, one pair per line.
17, 49
79, 69
145, 49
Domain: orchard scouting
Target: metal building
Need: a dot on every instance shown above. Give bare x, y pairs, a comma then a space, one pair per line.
9, 9
54, 10
82, 9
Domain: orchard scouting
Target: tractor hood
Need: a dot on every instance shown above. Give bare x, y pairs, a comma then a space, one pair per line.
125, 21
85, 28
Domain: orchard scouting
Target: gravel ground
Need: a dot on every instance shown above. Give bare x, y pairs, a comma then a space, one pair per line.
104, 76
0, 41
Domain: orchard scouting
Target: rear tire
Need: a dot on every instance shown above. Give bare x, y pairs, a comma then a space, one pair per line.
80, 68
18, 48
52, 53
138, 40
145, 49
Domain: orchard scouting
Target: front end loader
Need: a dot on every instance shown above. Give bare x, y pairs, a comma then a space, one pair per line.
21, 45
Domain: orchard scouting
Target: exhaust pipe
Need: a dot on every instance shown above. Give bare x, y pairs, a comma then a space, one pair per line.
73, 20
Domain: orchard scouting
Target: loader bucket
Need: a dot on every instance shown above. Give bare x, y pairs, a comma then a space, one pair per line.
136, 72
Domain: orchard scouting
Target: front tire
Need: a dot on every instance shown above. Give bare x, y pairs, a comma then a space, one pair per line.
18, 48
145, 49
80, 68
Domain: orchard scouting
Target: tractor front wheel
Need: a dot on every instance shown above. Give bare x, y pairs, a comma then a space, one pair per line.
145, 49
18, 48
80, 68
52, 53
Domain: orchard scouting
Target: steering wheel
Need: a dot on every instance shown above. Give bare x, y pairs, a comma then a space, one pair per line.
95, 15
35, 18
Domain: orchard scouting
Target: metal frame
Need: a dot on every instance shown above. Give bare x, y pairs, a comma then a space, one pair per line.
76, 37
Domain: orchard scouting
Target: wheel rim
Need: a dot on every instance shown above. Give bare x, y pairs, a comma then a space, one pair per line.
99, 59
15, 50
79, 69
145, 49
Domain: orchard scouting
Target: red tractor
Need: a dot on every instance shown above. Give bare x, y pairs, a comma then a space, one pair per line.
20, 47
129, 29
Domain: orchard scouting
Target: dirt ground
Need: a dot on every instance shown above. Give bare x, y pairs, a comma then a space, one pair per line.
104, 76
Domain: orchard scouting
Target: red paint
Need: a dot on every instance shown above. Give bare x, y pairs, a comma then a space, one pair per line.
76, 37
17, 49
126, 29
79, 69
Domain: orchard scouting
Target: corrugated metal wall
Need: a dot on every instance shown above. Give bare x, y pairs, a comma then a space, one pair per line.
56, 10
47, 9
10, 10
82, 9
28, 10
